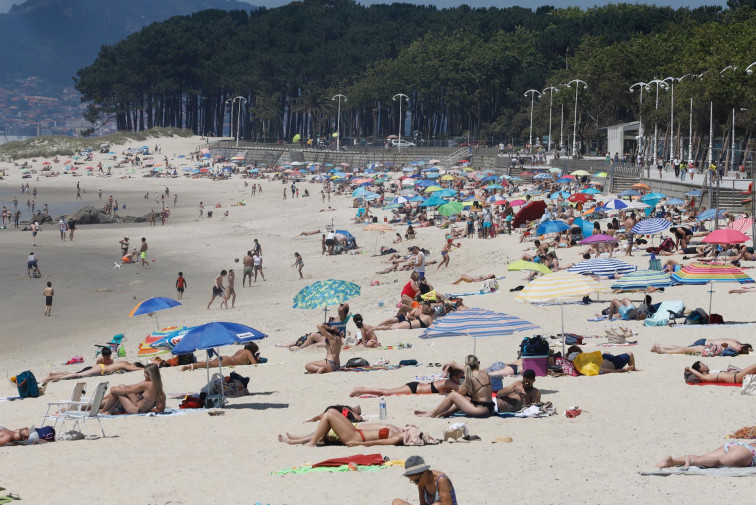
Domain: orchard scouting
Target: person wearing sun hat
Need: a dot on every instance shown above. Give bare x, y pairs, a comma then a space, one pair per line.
434, 486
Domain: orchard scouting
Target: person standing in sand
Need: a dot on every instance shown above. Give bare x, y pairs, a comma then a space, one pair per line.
63, 229
34, 230
181, 285
230, 292
124, 246
257, 248
298, 263
143, 254
247, 262
218, 288
71, 228
201, 209
257, 265
48, 293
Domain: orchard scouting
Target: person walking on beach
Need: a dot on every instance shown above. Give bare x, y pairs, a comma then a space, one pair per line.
201, 209
181, 285
629, 223
48, 293
78, 192
175, 200
218, 288
63, 229
445, 253
434, 486
257, 265
284, 193
247, 262
143, 254
71, 228
230, 291
99, 194
298, 263
34, 230
124, 246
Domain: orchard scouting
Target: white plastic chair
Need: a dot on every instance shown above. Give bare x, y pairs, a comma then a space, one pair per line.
81, 416
74, 402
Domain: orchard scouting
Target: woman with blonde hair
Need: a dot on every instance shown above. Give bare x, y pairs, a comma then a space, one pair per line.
473, 397
147, 396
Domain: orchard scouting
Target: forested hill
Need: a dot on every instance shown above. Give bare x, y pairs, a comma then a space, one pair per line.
50, 39
463, 68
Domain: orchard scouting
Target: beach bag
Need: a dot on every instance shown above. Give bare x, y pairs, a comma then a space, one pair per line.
27, 385
716, 319
489, 286
749, 385
698, 316
356, 363
588, 363
534, 346
46, 433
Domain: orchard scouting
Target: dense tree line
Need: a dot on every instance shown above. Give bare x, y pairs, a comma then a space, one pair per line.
464, 70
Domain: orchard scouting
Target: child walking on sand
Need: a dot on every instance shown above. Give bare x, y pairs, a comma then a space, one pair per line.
298, 263
180, 285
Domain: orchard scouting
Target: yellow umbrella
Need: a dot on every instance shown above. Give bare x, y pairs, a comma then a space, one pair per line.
519, 265
431, 189
580, 173
601, 174
558, 286
447, 177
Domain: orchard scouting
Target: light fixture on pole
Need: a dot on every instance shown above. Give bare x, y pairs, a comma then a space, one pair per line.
238, 121
642, 86
672, 139
577, 82
749, 71
338, 121
690, 133
659, 83
551, 90
561, 130
401, 96
532, 93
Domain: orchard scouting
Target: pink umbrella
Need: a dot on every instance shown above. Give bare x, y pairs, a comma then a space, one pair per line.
743, 225
517, 203
599, 238
725, 236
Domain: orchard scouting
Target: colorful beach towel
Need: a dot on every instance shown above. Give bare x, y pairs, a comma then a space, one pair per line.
609, 344
370, 368
737, 384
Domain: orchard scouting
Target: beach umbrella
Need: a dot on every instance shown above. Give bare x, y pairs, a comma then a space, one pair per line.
476, 323
530, 212
445, 193
447, 177
433, 189
558, 286
640, 185
706, 273
653, 196
580, 173
217, 334
361, 192
675, 201
543, 176
152, 305
629, 192
450, 209
426, 183
743, 225
694, 192
519, 265
601, 174
434, 161
491, 178
321, 294
602, 267
555, 170
516, 203
725, 236
599, 238
585, 227
417, 199
433, 201
579, 197
564, 180
557, 194
552, 227
637, 205
641, 280
495, 198
591, 191
710, 214
494, 186
526, 174
651, 226
614, 205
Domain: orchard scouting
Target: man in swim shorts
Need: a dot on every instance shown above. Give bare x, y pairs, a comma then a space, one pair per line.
48, 293
626, 310
618, 363
518, 394
143, 253
248, 263
218, 289
32, 267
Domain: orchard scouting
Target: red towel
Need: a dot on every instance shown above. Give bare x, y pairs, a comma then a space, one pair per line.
358, 459
738, 384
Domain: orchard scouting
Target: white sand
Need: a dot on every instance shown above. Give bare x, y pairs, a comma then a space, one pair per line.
630, 421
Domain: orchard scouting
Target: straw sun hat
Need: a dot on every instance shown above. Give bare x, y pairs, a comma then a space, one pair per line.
414, 465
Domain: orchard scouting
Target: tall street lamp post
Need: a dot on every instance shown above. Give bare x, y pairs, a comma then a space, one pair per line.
238, 120
551, 90
338, 120
532, 93
578, 83
401, 96
642, 86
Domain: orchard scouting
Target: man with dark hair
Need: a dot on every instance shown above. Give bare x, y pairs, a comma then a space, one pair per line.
218, 288
518, 394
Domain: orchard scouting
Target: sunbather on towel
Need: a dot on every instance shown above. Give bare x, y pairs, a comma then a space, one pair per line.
421, 320
147, 396
711, 347
13, 436
473, 397
248, 355
347, 434
354, 414
441, 386
736, 454
700, 372
626, 310
99, 369
470, 278
518, 394
612, 363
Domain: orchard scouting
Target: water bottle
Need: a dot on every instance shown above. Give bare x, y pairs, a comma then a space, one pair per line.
383, 414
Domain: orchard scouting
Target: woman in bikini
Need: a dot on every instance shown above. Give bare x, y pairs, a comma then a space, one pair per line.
98, 369
441, 386
422, 320
409, 292
713, 347
473, 397
230, 291
315, 338
347, 433
333, 341
469, 278
367, 333
735, 454
699, 372
147, 396
248, 355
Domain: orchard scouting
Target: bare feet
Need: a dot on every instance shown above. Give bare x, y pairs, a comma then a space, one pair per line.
666, 462
655, 348
422, 413
355, 392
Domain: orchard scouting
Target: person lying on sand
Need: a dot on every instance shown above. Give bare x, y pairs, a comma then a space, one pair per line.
346, 433
353, 414
473, 397
700, 372
13, 436
711, 347
421, 320
98, 369
306, 233
735, 454
441, 386
470, 278
147, 396
625, 309
518, 394
248, 355
612, 363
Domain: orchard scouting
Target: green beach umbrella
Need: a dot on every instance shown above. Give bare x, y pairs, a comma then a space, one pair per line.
451, 208
321, 294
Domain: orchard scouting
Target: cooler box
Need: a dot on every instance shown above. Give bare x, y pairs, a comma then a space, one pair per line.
539, 364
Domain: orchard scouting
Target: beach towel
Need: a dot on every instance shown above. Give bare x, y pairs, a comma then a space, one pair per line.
370, 368
357, 459
165, 413
609, 344
661, 316
694, 470
597, 319
503, 415
537, 410
738, 384
339, 469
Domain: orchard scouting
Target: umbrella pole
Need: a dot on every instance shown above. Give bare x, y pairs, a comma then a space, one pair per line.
564, 352
207, 366
223, 382
156, 321
711, 295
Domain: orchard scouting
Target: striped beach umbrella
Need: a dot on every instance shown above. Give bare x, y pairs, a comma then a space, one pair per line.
614, 205
705, 273
710, 214
558, 286
602, 267
476, 322
725, 236
641, 280
743, 225
650, 226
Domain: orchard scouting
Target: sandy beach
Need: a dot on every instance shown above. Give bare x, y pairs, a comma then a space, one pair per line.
629, 421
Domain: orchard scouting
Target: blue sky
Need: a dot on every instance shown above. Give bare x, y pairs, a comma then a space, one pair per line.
6, 4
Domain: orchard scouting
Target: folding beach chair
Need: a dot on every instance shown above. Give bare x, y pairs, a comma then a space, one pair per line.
81, 416
114, 344
74, 402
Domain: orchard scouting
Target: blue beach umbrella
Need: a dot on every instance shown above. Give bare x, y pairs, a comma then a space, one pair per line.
564, 180
557, 194
552, 227
591, 191
475, 322
542, 176
585, 226
433, 201
602, 267
445, 193
152, 305
710, 214
641, 280
694, 192
614, 205
651, 226
629, 192
675, 201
